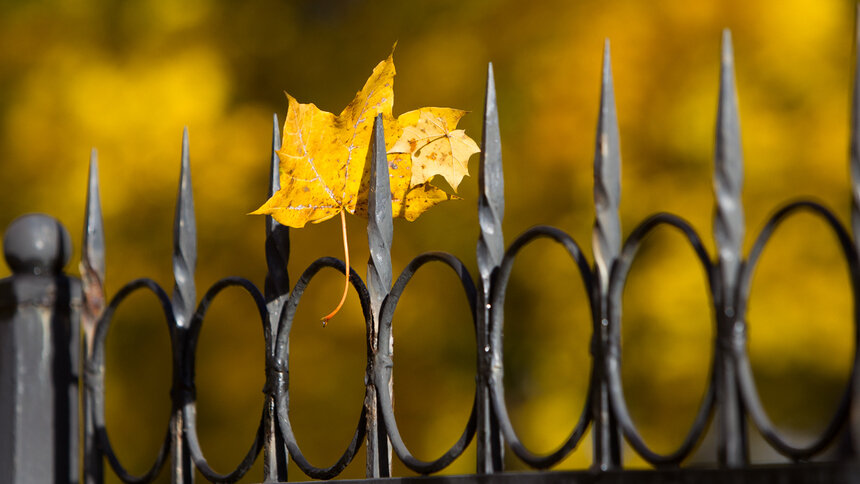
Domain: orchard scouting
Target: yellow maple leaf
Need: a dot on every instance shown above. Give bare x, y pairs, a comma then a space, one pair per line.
323, 169
436, 147
323, 155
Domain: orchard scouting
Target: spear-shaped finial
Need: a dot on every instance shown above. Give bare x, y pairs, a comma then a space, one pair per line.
184, 244
728, 172
606, 236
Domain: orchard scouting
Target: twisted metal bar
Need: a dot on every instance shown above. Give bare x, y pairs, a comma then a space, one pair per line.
497, 386
380, 234
383, 364
94, 379
729, 234
277, 290
92, 255
606, 243
184, 243
189, 410
184, 295
281, 368
92, 269
490, 250
748, 391
613, 361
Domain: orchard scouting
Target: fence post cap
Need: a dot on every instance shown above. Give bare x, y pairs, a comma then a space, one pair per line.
36, 244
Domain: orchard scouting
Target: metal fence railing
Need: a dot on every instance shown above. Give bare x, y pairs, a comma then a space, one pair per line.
46, 316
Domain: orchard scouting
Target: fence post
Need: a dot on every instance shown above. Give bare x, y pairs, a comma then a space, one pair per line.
729, 234
184, 300
277, 287
39, 355
606, 243
490, 251
92, 269
380, 235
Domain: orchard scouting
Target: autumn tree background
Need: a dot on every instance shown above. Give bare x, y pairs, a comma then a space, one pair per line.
125, 77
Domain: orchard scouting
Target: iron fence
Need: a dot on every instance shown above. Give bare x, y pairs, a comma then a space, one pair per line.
48, 316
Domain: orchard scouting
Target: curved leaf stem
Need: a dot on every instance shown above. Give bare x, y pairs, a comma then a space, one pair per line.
345, 271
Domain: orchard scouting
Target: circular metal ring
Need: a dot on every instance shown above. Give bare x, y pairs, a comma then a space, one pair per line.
496, 380
95, 379
189, 409
748, 390
617, 281
282, 353
383, 364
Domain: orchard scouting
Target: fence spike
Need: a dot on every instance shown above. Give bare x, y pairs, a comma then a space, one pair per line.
92, 265
728, 233
728, 171
277, 289
606, 243
491, 186
490, 251
277, 235
607, 178
380, 226
184, 243
380, 234
92, 268
184, 299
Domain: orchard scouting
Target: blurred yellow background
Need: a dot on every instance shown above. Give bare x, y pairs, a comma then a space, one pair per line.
125, 77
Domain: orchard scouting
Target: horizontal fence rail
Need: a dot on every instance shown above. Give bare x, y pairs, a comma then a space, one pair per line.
731, 398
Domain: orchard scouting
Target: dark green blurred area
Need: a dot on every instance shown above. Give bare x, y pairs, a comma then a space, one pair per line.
125, 77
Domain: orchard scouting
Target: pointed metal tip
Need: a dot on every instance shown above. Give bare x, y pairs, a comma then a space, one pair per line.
275, 127
94, 163
606, 79
490, 101
94, 167
274, 162
378, 130
185, 147
727, 50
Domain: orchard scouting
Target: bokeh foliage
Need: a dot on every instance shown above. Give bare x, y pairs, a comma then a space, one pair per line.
125, 77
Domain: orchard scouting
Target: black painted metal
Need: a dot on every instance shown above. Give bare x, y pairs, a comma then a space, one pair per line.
613, 364
491, 248
277, 290
606, 241
496, 380
728, 234
380, 235
731, 396
92, 281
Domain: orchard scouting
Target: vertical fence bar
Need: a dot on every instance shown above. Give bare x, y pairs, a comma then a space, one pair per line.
277, 290
729, 234
92, 269
184, 297
490, 251
380, 234
854, 165
39, 339
606, 243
